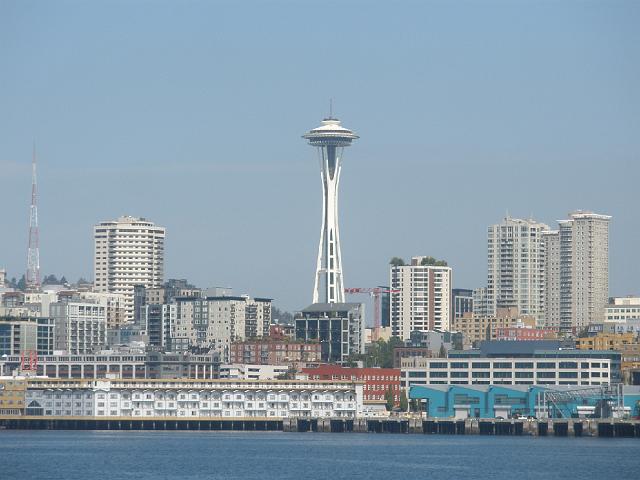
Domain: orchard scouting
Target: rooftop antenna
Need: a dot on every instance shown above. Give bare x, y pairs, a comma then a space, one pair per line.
331, 108
33, 255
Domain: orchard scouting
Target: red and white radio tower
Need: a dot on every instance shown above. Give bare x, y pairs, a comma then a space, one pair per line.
33, 255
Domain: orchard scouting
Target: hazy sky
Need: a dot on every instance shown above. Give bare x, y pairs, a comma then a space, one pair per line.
190, 114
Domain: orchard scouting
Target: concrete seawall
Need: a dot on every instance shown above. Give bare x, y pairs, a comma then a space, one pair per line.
607, 428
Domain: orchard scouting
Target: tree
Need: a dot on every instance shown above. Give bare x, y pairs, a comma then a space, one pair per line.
388, 396
50, 280
430, 261
281, 315
396, 262
63, 280
404, 403
22, 283
443, 351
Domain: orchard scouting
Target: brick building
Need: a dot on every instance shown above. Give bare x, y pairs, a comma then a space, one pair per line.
275, 352
376, 380
524, 334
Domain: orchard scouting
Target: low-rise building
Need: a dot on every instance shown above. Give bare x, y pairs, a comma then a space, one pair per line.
243, 371
477, 328
524, 334
622, 309
21, 331
500, 401
12, 396
565, 370
275, 352
192, 398
112, 364
377, 381
542, 349
606, 341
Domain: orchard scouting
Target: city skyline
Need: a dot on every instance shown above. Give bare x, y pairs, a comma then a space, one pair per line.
245, 213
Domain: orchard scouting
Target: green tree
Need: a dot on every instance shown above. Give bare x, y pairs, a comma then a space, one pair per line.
22, 283
404, 403
396, 262
430, 261
388, 396
443, 351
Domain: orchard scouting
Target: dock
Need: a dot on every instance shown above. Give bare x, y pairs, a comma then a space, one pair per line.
607, 428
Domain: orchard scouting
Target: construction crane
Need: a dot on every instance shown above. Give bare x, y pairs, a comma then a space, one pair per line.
376, 294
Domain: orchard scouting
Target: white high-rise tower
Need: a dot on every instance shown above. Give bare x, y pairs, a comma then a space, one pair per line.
330, 139
128, 251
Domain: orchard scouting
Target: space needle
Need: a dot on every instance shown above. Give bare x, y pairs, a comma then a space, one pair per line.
330, 138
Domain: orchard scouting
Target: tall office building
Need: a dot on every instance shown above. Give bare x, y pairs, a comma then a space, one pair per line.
515, 257
461, 301
583, 260
423, 300
128, 251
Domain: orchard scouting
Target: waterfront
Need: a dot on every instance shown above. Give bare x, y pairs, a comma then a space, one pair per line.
75, 455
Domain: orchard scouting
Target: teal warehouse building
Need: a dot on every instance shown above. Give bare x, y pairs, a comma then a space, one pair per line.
512, 401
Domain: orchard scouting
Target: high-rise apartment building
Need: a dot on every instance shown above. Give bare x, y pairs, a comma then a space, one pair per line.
582, 258
128, 251
551, 239
423, 300
215, 322
515, 258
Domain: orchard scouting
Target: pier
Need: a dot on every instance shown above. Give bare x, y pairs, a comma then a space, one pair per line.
607, 428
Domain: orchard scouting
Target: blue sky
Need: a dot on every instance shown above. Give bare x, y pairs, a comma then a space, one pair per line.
190, 114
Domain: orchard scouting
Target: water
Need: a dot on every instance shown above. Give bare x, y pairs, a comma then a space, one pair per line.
72, 455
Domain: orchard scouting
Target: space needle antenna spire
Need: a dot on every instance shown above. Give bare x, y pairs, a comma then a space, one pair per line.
33, 256
329, 138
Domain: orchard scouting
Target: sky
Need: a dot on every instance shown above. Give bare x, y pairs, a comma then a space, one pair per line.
190, 114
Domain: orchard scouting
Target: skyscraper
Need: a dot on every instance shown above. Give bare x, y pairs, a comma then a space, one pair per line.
551, 239
515, 258
583, 262
128, 251
423, 300
330, 139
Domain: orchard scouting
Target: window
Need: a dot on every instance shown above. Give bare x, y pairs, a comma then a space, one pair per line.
480, 365
459, 365
524, 364
568, 365
546, 365
502, 365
